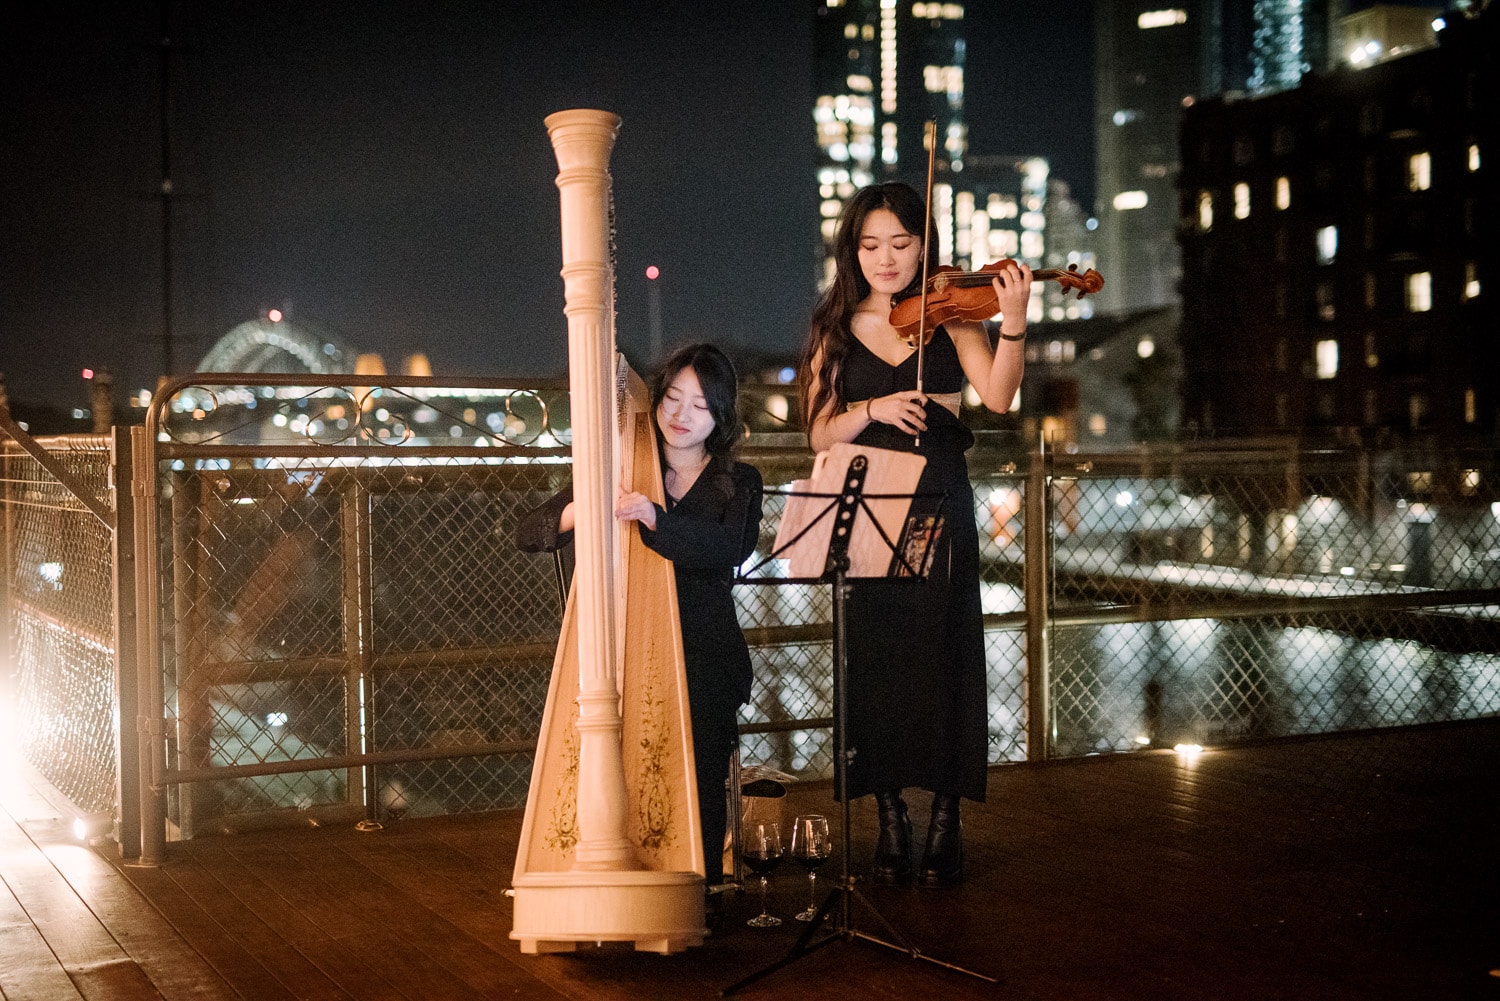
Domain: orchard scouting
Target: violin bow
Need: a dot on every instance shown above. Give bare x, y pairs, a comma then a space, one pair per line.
929, 135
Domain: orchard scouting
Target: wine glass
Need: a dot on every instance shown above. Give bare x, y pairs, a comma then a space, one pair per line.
811, 847
762, 853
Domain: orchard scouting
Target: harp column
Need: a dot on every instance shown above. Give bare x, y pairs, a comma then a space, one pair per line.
585, 872
582, 141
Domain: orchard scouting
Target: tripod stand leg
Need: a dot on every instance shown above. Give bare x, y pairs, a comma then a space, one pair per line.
799, 948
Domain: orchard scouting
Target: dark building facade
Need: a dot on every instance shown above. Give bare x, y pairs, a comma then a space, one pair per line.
1152, 61
1336, 247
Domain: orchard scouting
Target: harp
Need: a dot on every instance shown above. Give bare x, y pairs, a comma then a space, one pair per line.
610, 846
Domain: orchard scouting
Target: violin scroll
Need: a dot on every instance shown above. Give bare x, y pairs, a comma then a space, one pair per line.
1086, 283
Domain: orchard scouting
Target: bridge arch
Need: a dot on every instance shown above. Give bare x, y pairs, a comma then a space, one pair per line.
279, 346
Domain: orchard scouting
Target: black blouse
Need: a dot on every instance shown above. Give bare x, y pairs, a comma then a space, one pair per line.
706, 535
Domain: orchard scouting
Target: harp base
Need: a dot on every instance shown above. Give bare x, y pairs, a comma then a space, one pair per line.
659, 911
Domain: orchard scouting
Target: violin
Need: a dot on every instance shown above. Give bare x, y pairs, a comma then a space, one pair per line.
956, 294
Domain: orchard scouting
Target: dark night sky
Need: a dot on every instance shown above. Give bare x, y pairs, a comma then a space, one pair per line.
384, 169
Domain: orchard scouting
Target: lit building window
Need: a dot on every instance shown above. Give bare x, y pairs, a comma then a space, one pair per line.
1283, 193
1471, 281
1001, 207
859, 83
943, 79
1160, 19
1205, 211
1419, 172
938, 11
1328, 244
1471, 414
1419, 292
1325, 298
1326, 355
1473, 157
1242, 201
1127, 200
830, 208
888, 61
1468, 482
1416, 409
1098, 426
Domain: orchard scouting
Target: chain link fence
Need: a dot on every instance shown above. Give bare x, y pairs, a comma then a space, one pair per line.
1217, 595
345, 629
60, 631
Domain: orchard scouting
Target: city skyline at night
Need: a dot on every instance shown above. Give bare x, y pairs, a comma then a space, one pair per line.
387, 176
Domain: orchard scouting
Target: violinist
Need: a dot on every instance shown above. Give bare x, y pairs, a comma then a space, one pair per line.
916, 698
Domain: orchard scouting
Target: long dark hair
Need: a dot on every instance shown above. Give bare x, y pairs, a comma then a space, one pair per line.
828, 336
720, 385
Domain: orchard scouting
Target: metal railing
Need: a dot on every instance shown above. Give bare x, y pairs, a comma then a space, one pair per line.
334, 622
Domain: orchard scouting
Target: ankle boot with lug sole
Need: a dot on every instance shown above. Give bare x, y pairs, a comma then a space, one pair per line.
943, 860
893, 849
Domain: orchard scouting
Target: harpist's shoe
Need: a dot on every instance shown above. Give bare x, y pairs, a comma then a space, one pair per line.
893, 850
943, 861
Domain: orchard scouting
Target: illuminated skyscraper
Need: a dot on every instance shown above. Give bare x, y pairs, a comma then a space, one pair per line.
884, 69
1150, 64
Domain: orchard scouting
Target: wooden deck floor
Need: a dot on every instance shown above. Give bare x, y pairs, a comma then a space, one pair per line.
1353, 867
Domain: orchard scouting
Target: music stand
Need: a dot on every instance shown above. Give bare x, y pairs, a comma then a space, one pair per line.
909, 556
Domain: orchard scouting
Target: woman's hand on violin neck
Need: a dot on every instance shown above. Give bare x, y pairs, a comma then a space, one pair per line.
633, 506
1013, 291
905, 410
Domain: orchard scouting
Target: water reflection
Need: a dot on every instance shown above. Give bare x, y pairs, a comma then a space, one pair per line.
1122, 687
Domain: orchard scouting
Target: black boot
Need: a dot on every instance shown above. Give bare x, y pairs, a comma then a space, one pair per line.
943, 861
893, 850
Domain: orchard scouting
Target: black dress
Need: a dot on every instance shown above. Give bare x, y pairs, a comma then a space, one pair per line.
917, 703
707, 535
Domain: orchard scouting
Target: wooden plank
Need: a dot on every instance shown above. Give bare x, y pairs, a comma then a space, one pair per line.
29, 969
173, 966
218, 960
265, 939
393, 940
334, 960
1344, 868
83, 948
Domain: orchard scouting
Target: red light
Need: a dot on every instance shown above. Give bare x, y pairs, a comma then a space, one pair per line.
653, 272
274, 316
88, 373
